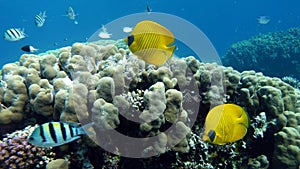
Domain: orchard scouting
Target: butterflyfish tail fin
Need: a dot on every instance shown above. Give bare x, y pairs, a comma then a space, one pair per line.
239, 132
170, 50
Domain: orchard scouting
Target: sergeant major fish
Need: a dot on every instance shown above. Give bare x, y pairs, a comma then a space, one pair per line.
56, 133
14, 34
40, 19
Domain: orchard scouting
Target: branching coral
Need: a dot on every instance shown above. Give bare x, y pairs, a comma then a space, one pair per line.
16, 152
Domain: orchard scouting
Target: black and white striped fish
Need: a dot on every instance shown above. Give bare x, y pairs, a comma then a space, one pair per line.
29, 49
56, 133
14, 34
40, 19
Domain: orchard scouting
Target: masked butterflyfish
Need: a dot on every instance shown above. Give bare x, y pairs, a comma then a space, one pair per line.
151, 42
225, 123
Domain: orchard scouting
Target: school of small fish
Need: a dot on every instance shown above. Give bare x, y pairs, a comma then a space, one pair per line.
17, 34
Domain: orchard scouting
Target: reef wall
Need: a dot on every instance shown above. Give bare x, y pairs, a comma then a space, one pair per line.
275, 54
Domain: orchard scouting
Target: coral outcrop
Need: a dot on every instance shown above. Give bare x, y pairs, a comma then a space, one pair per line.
274, 54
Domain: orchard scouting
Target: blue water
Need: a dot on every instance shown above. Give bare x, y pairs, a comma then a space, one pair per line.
224, 22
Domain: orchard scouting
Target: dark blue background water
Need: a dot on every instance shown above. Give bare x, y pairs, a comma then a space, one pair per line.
223, 21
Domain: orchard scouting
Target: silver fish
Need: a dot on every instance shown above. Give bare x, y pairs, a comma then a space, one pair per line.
71, 13
263, 20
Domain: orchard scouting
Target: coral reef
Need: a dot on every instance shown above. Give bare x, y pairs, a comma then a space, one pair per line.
260, 162
105, 84
274, 54
292, 81
287, 151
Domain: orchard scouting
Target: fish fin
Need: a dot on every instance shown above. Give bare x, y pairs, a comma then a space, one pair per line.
148, 26
153, 56
35, 50
84, 129
170, 50
73, 124
23, 32
239, 131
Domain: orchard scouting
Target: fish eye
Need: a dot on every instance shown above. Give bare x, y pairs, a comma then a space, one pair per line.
211, 134
130, 39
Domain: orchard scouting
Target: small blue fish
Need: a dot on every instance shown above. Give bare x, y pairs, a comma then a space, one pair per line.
14, 34
40, 19
54, 134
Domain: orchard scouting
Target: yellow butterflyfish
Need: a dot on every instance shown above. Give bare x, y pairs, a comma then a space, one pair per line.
225, 123
151, 42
